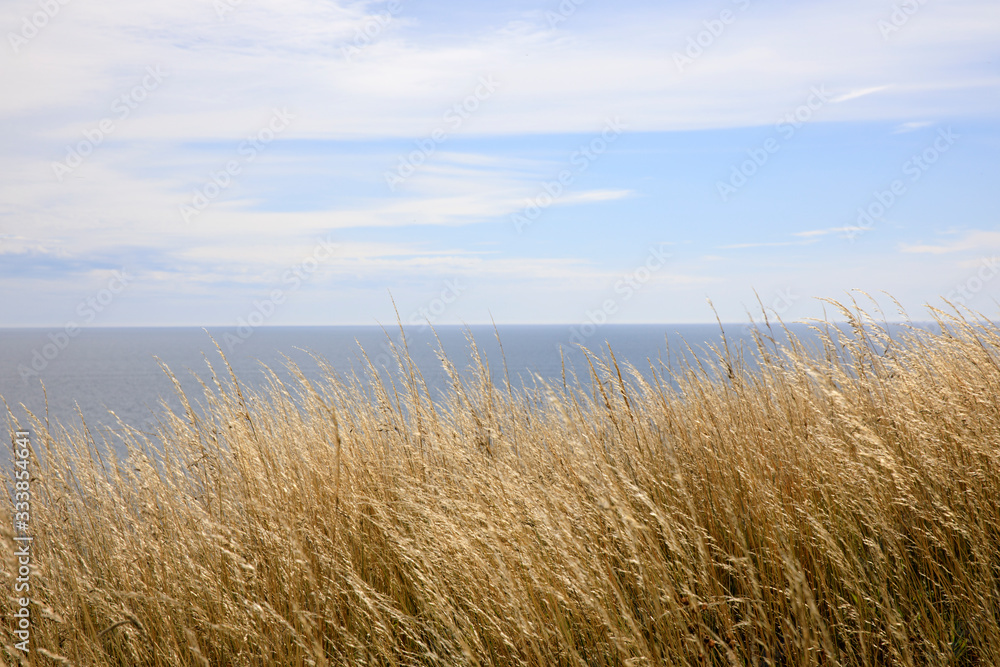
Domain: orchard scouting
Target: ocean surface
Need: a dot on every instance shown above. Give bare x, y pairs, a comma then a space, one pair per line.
101, 376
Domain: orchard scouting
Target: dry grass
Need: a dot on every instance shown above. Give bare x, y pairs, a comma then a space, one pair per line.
833, 507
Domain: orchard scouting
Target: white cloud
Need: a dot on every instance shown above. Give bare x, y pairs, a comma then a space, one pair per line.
977, 239
911, 126
14, 244
854, 94
812, 233
588, 196
735, 246
225, 75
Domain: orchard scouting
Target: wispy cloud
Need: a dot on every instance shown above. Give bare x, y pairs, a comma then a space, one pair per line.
769, 244
813, 233
911, 126
14, 244
978, 239
854, 94
401, 83
588, 196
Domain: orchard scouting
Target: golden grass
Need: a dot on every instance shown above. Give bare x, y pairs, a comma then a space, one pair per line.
839, 506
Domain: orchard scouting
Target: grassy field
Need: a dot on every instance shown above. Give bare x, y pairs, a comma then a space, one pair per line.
836, 505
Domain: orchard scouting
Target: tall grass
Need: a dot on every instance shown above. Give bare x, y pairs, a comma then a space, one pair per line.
782, 505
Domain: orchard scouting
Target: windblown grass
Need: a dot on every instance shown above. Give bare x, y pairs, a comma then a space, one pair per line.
834, 506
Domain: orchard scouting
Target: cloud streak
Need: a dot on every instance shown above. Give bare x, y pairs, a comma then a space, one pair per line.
978, 239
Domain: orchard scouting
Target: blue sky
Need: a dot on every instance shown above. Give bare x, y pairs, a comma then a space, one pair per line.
535, 162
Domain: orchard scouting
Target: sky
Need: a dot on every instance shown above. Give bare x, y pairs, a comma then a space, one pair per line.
265, 162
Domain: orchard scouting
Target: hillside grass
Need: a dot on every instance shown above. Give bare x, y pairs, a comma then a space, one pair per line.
777, 505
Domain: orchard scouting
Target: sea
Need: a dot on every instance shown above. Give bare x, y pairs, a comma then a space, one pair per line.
110, 377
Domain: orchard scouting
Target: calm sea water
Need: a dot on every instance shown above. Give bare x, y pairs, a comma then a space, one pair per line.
100, 371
